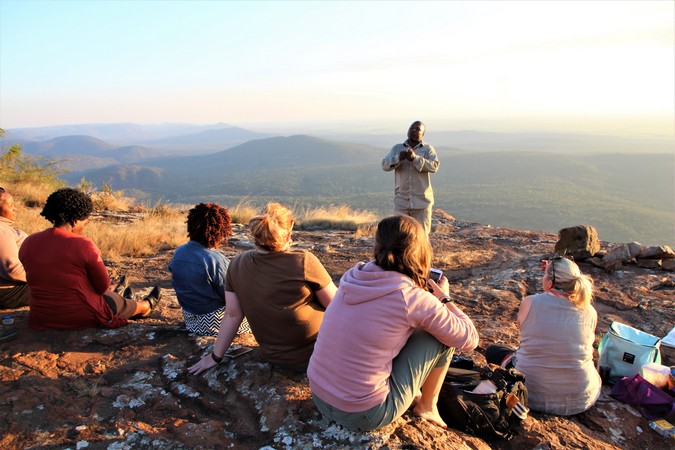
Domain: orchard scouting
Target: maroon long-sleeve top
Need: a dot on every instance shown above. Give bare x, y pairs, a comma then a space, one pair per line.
67, 279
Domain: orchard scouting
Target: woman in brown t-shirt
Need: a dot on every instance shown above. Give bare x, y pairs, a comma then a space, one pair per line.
283, 294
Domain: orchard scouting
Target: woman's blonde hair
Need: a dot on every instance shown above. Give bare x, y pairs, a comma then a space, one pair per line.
270, 230
401, 245
567, 277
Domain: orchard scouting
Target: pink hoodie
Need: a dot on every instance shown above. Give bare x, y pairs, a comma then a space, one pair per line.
370, 319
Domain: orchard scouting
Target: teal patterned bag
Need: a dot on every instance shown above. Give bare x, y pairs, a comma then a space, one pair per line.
624, 350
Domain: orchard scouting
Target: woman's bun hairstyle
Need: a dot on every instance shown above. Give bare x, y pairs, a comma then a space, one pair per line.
570, 280
270, 230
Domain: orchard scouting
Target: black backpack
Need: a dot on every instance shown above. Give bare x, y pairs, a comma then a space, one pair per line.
483, 415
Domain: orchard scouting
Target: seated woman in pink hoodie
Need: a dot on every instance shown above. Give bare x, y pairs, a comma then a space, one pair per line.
385, 337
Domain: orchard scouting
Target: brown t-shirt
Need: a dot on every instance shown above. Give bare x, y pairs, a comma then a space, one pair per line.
276, 291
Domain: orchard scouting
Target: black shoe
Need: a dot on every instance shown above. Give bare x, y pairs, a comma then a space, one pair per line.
8, 333
154, 297
128, 293
122, 286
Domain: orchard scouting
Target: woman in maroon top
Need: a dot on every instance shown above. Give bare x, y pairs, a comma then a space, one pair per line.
68, 283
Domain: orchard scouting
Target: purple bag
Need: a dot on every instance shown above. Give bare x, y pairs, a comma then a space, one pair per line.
653, 402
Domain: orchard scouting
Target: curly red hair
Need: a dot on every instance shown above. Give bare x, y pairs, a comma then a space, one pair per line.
209, 224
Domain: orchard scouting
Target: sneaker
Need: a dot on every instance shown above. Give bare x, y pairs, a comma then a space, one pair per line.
8, 333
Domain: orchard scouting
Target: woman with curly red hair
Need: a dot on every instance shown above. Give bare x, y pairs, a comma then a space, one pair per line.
198, 269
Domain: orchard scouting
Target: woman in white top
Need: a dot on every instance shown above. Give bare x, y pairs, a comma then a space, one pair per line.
557, 331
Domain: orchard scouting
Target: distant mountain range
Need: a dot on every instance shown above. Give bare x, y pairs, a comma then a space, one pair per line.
123, 132
627, 195
166, 137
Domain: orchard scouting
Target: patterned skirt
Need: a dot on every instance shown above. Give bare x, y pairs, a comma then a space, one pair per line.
209, 324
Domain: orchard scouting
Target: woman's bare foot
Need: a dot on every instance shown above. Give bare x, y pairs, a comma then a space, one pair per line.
415, 401
430, 415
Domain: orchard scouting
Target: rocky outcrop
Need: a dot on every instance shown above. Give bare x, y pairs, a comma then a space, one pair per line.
661, 257
129, 388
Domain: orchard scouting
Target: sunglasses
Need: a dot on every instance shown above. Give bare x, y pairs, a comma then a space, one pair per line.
551, 262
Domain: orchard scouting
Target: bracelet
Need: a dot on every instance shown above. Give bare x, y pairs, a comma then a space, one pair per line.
216, 359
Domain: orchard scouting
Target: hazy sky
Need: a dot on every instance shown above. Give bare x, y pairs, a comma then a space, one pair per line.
605, 66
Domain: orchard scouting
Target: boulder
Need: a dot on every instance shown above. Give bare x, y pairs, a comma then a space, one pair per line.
649, 263
660, 252
596, 262
580, 242
443, 216
619, 254
634, 249
668, 264
613, 265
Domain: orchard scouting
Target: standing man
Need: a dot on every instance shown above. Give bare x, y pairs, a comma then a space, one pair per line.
412, 162
13, 287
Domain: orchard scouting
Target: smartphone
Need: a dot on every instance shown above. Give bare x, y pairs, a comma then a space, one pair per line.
234, 352
436, 274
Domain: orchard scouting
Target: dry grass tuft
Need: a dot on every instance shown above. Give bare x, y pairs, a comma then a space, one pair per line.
340, 217
107, 201
164, 211
144, 237
29, 219
30, 193
366, 230
243, 211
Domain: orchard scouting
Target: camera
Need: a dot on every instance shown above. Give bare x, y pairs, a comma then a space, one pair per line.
435, 274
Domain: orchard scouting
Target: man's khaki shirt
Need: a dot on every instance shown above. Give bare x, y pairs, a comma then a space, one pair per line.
413, 182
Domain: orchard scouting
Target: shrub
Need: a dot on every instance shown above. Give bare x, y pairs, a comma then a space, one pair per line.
106, 198
28, 178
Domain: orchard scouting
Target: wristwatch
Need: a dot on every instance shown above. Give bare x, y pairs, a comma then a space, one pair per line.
445, 299
216, 359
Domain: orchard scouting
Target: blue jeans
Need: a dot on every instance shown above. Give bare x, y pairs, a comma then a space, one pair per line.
410, 369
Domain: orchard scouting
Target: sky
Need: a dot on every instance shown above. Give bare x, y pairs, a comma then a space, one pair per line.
581, 66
